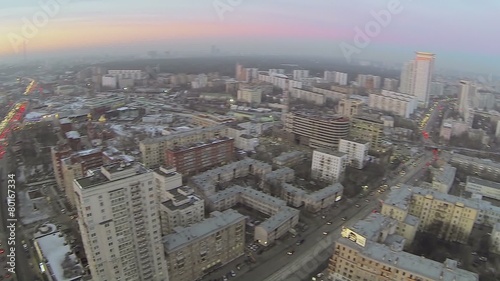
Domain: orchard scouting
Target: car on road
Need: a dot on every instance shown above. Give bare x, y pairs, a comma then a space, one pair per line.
2, 251
357, 205
329, 222
300, 242
344, 218
367, 200
233, 274
224, 278
290, 252
325, 233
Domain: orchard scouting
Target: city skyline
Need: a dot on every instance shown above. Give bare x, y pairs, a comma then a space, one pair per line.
67, 27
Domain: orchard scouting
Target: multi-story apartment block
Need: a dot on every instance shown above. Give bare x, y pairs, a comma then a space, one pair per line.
390, 84
317, 131
442, 178
308, 95
328, 165
281, 218
276, 71
350, 107
75, 167
178, 204
119, 223
483, 187
57, 153
313, 201
400, 104
279, 80
495, 238
200, 156
300, 74
369, 82
448, 217
153, 149
206, 182
125, 73
483, 168
372, 250
416, 77
250, 95
368, 128
194, 251
356, 150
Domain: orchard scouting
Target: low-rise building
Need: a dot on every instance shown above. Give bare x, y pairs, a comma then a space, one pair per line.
58, 262
289, 158
194, 251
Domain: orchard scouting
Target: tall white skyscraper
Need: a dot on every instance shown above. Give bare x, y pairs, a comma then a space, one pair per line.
467, 93
120, 225
416, 77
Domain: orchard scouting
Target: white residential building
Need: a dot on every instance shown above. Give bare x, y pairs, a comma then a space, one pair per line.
300, 74
335, 77
417, 75
328, 165
119, 223
276, 71
398, 103
356, 151
279, 80
369, 81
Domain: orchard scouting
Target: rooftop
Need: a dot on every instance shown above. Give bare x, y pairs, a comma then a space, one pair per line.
107, 174
329, 152
201, 145
477, 161
372, 225
62, 264
421, 266
483, 182
191, 234
182, 134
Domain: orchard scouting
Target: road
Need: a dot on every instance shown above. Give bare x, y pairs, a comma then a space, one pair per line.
317, 247
23, 269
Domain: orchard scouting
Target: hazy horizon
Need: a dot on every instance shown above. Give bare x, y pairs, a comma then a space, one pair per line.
457, 36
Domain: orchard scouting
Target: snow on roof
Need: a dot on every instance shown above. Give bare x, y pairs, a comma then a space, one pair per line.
73, 135
55, 249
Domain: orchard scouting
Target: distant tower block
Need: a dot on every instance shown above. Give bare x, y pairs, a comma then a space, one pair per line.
286, 100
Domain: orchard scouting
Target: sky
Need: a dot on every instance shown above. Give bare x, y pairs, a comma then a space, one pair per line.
462, 33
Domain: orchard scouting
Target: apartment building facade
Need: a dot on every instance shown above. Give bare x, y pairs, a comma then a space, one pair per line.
192, 252
400, 104
119, 223
369, 129
356, 150
350, 107
317, 131
153, 149
200, 156
328, 165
